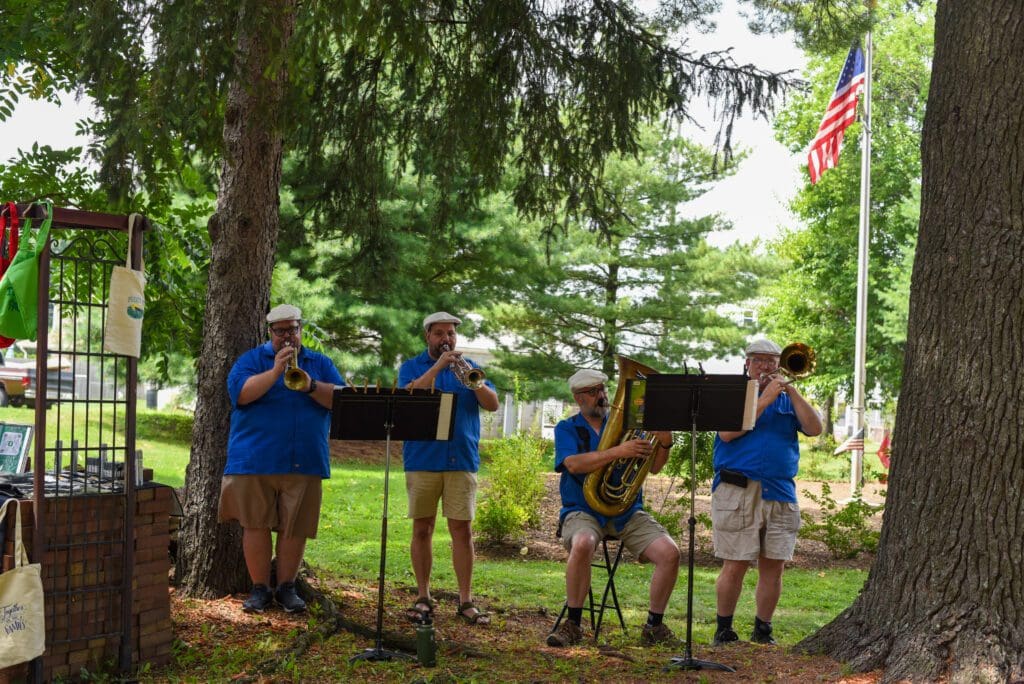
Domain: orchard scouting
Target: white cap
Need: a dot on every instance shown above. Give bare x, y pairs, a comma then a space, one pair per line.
439, 317
284, 312
584, 378
763, 346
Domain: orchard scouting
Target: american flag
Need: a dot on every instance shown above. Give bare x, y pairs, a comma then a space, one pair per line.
854, 443
840, 114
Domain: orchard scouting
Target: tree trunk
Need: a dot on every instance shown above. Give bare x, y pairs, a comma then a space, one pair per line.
243, 234
945, 597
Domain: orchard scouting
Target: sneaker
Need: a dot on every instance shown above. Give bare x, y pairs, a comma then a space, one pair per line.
653, 635
259, 600
288, 599
725, 636
762, 636
567, 634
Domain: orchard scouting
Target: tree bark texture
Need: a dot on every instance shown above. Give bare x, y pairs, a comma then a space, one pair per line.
945, 596
243, 235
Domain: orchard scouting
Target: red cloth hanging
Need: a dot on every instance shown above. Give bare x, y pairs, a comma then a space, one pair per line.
8, 248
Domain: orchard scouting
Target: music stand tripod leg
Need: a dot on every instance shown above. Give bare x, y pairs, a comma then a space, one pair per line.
378, 652
687, 661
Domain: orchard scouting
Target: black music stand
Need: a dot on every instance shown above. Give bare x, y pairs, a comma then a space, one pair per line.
698, 403
370, 413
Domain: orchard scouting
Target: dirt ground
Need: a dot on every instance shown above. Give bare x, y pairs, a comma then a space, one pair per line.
507, 650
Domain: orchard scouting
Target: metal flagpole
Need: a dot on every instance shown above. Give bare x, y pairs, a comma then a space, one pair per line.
860, 354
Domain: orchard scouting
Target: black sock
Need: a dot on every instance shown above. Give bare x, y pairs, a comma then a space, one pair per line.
762, 626
724, 622
654, 619
576, 615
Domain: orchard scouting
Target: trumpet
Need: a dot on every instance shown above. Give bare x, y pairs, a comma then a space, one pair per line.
294, 377
471, 377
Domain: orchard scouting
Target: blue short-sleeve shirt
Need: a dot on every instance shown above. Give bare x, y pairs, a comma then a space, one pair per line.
770, 453
462, 451
284, 431
567, 443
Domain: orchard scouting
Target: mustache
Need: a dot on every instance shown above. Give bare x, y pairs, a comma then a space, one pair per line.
602, 402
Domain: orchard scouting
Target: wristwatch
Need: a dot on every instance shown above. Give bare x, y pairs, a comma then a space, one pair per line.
312, 387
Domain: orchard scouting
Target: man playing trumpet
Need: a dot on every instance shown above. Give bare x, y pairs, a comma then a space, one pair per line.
277, 455
754, 510
576, 441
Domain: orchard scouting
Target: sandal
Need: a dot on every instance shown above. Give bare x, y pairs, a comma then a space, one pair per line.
477, 618
419, 614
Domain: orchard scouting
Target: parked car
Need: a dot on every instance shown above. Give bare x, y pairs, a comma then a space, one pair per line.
18, 377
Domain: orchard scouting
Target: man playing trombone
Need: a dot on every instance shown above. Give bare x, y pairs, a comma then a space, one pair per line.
445, 471
754, 510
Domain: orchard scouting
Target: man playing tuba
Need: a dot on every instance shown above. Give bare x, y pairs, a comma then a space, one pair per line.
576, 442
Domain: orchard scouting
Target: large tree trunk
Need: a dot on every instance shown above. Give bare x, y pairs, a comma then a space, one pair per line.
945, 597
244, 237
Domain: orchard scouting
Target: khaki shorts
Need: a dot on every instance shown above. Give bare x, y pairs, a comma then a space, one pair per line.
637, 535
745, 526
287, 504
455, 488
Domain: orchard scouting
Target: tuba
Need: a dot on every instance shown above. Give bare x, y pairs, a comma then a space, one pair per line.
611, 489
294, 377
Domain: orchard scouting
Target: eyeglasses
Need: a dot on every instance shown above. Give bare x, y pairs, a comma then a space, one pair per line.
593, 391
764, 360
281, 332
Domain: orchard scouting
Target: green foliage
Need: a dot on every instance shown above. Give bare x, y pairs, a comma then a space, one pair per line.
164, 426
679, 459
846, 530
512, 500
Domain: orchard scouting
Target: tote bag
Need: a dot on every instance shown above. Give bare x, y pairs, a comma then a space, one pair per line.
20, 285
126, 305
22, 621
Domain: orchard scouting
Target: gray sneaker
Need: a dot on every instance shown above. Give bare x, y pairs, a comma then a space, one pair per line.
567, 634
288, 598
259, 600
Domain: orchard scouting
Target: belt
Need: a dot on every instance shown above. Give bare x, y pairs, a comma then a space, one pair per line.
732, 477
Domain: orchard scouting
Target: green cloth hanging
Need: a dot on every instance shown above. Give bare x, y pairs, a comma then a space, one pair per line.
19, 288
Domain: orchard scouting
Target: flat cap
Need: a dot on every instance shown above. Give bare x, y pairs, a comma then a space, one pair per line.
439, 317
584, 378
284, 312
763, 346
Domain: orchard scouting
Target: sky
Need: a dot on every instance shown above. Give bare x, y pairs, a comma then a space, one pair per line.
754, 199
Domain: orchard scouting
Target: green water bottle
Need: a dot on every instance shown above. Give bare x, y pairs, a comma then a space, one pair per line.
426, 646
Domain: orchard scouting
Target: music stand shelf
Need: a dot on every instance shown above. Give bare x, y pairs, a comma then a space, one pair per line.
702, 403
375, 413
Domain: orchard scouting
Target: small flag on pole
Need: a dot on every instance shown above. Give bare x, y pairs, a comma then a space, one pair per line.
842, 110
883, 450
854, 443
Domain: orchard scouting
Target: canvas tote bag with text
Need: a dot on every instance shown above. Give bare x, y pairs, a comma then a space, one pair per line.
126, 305
22, 621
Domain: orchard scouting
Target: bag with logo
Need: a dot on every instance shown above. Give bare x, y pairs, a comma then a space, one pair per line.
126, 305
22, 618
19, 287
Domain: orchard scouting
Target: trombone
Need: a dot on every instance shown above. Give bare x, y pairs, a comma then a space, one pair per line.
796, 362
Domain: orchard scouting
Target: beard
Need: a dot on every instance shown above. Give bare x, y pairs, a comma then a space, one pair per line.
598, 410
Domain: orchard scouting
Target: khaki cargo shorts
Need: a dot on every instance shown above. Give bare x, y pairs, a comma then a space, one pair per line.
455, 488
745, 526
637, 535
287, 504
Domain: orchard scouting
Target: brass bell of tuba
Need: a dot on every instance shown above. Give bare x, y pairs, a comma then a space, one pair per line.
611, 489
294, 377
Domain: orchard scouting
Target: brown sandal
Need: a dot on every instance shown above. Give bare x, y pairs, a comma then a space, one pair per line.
419, 615
477, 618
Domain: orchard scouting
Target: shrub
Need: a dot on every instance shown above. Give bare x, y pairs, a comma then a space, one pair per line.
845, 531
163, 426
512, 499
